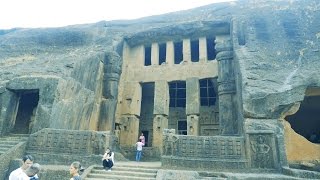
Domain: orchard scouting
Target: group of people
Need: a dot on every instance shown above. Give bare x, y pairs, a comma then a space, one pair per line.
108, 157
29, 170
139, 145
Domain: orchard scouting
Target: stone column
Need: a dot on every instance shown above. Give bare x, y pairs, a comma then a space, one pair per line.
226, 86
154, 54
193, 125
160, 111
134, 55
170, 53
130, 113
203, 49
186, 49
112, 71
129, 129
193, 105
9, 103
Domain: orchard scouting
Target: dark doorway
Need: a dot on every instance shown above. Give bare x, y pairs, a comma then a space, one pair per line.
306, 121
27, 106
146, 115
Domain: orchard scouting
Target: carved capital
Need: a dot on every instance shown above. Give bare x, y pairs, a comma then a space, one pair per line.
224, 55
226, 87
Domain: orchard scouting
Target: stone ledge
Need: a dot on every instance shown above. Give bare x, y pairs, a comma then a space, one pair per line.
203, 163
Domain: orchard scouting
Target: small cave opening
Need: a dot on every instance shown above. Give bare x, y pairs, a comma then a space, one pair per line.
306, 121
26, 111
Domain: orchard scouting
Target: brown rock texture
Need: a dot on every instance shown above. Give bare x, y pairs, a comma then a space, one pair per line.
299, 148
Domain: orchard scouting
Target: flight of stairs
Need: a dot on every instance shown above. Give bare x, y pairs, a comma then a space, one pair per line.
123, 172
10, 141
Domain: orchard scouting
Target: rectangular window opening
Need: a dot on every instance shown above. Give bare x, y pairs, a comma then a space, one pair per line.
208, 95
195, 50
211, 51
178, 53
162, 53
177, 92
147, 55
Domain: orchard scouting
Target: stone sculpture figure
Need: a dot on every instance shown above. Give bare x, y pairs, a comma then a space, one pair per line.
261, 152
112, 70
170, 143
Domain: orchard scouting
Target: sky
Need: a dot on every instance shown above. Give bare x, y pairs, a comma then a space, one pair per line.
57, 13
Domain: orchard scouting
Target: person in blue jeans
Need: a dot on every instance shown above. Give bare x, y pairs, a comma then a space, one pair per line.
139, 145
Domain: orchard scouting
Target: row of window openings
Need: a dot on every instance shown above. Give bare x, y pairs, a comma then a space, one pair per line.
177, 92
178, 52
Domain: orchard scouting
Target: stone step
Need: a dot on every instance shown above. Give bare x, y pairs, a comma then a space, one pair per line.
116, 176
131, 168
4, 148
8, 138
9, 143
124, 173
5, 145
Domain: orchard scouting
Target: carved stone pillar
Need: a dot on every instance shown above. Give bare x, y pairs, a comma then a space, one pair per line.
170, 52
8, 109
203, 57
112, 71
154, 54
186, 50
226, 86
161, 111
160, 122
129, 129
130, 113
193, 125
193, 105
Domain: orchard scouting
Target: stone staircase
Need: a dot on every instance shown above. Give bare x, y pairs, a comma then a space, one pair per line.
123, 171
7, 142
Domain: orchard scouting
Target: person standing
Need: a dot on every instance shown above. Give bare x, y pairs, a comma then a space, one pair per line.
143, 139
108, 160
139, 145
27, 161
74, 170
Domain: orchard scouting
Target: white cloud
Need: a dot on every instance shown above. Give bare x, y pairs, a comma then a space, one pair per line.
53, 13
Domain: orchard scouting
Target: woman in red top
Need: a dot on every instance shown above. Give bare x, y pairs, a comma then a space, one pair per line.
142, 138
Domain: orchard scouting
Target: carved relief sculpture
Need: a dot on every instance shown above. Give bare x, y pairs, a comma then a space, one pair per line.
260, 149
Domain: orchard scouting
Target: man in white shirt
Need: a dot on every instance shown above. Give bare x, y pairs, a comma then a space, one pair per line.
30, 173
27, 161
139, 145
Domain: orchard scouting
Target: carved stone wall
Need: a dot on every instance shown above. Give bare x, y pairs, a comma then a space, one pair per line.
56, 146
203, 152
209, 120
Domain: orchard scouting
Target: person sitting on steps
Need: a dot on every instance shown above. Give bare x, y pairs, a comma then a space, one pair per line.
108, 160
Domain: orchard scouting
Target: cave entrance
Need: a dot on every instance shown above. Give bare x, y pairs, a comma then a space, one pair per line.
306, 121
28, 102
146, 115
